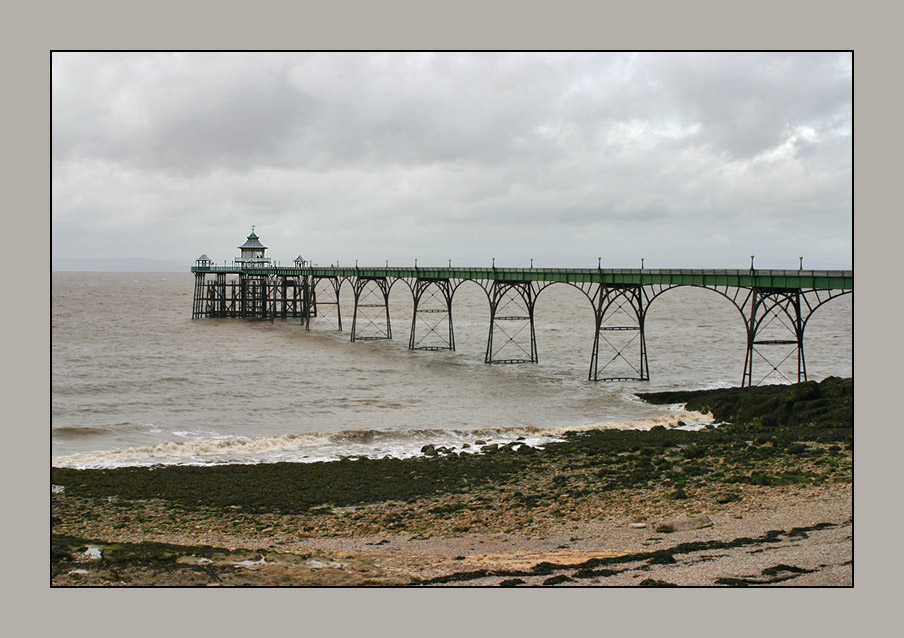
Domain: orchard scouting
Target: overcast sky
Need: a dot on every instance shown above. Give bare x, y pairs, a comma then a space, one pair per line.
685, 159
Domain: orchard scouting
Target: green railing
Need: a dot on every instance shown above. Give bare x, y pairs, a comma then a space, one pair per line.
796, 279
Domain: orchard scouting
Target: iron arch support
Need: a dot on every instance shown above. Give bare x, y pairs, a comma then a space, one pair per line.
820, 301
619, 313
371, 307
322, 297
506, 298
797, 306
432, 309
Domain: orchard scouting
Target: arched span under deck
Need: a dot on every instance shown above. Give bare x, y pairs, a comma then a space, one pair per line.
775, 306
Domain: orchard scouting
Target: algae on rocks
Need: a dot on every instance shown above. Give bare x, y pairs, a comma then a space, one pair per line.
773, 435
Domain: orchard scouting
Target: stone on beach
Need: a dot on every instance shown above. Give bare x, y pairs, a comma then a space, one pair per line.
684, 523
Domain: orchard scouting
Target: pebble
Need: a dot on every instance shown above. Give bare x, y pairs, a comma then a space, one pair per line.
637, 525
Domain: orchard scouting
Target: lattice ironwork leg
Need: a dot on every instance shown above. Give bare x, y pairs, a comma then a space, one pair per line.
512, 316
433, 311
775, 326
371, 308
619, 316
323, 301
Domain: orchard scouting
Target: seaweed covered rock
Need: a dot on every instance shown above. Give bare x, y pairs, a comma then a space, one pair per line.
806, 391
833, 387
828, 404
766, 440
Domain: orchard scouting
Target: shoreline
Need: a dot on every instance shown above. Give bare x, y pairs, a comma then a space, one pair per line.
298, 448
765, 499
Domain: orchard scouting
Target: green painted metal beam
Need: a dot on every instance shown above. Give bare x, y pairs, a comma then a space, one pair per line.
772, 279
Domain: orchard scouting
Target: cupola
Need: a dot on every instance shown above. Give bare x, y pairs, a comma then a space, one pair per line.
253, 252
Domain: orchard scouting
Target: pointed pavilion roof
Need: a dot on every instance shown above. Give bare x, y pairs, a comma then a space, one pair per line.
253, 241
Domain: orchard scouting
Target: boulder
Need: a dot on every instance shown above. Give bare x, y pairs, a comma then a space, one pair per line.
683, 523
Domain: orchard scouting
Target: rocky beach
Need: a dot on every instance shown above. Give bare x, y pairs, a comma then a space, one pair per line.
762, 497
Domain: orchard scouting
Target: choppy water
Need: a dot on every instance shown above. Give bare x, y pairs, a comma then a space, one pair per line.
136, 382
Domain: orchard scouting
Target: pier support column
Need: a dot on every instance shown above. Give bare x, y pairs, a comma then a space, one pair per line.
208, 295
198, 297
288, 296
284, 302
254, 296
371, 309
322, 300
234, 298
775, 325
433, 311
512, 316
619, 313
272, 297
220, 306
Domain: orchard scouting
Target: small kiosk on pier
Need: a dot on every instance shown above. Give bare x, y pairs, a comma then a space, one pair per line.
248, 289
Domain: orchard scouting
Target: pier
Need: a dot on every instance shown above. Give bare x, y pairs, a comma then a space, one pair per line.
775, 305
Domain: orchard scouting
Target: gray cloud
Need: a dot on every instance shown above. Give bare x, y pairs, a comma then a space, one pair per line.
169, 155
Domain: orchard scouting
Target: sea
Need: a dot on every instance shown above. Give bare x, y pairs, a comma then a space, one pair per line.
137, 382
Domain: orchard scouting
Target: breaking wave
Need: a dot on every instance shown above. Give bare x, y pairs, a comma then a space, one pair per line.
307, 448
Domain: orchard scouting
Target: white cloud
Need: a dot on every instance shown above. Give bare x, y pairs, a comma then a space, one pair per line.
552, 154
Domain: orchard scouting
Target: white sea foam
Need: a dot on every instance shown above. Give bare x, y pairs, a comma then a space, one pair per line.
306, 448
